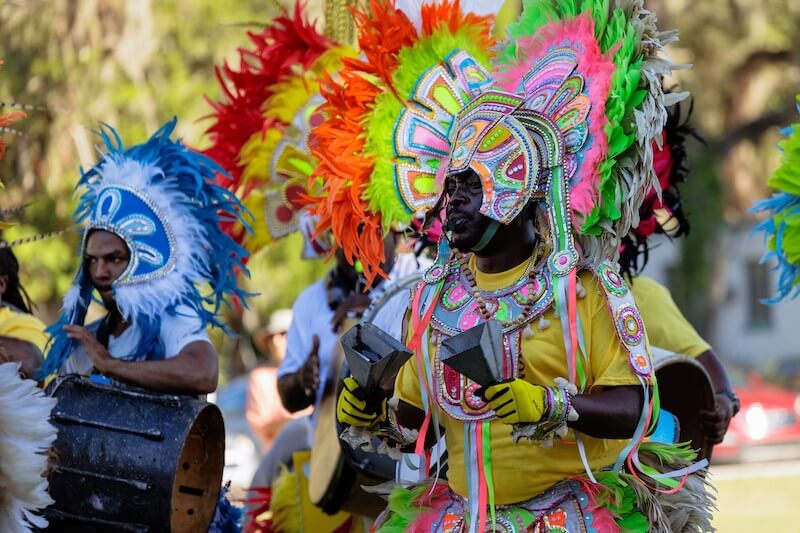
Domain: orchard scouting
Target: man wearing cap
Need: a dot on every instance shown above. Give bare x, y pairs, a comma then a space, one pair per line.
264, 410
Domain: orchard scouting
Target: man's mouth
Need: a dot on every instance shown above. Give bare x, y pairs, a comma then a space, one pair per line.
455, 222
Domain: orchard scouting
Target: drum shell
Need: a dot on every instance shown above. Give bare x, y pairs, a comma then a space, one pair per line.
686, 390
129, 459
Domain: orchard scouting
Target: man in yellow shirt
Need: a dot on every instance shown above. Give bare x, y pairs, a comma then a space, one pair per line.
668, 329
570, 371
22, 335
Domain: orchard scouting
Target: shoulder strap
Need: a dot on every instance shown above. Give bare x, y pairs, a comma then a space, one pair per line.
625, 314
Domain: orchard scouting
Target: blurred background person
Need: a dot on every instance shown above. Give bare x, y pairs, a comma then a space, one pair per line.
264, 411
22, 335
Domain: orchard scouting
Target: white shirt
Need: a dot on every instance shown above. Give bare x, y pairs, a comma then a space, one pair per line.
177, 331
311, 316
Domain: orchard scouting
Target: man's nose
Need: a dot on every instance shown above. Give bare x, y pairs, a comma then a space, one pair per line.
101, 270
459, 196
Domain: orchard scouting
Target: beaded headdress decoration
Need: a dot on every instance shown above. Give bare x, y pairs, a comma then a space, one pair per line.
386, 128
159, 197
782, 228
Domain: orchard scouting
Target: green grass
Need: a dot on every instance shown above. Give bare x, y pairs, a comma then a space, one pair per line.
758, 504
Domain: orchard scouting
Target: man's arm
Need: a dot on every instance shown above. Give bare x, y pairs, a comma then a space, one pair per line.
715, 423
23, 352
612, 413
411, 417
298, 389
194, 370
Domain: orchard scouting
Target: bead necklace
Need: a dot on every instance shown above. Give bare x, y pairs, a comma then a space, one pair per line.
514, 323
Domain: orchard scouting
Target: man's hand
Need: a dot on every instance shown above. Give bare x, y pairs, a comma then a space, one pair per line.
97, 353
517, 401
309, 373
356, 304
354, 409
715, 423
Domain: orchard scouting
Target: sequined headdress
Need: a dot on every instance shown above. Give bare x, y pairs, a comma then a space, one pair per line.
160, 198
387, 117
782, 228
260, 129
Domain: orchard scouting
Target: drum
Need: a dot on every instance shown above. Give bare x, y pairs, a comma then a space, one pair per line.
337, 471
133, 460
685, 389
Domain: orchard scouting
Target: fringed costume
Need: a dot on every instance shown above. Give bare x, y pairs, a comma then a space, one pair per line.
562, 120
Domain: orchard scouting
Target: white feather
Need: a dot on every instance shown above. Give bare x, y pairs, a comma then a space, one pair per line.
189, 239
25, 437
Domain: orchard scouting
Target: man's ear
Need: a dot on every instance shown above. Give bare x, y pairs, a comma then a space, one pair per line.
3, 284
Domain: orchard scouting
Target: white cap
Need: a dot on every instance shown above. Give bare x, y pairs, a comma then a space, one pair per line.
279, 321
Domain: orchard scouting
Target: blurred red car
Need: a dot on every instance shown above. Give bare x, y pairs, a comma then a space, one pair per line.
768, 425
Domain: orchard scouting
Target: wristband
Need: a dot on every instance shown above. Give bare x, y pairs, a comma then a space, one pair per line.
553, 424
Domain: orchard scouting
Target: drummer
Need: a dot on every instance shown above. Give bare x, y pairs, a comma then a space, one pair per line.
319, 314
667, 328
153, 252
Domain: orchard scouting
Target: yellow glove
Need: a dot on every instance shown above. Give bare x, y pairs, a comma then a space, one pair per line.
352, 408
517, 401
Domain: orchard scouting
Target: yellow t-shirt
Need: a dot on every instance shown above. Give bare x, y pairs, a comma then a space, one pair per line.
666, 326
523, 470
22, 326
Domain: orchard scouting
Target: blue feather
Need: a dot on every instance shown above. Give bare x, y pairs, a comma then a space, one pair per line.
784, 204
188, 177
228, 518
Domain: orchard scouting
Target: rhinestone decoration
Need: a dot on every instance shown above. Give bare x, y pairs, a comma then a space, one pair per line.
146, 232
500, 150
421, 135
629, 324
612, 281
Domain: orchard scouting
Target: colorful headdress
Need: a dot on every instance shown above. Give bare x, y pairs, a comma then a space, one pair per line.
271, 163
290, 42
567, 115
782, 228
386, 127
662, 210
160, 198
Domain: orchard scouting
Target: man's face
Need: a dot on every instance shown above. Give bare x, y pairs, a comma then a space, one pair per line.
464, 221
105, 259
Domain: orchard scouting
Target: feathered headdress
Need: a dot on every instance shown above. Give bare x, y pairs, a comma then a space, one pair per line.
782, 228
160, 198
270, 162
662, 210
386, 125
288, 43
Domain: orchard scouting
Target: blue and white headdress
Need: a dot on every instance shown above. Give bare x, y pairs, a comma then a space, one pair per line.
161, 199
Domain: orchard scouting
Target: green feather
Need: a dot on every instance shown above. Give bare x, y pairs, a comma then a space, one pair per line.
403, 509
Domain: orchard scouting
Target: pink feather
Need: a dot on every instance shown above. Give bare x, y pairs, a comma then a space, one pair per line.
436, 503
596, 70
